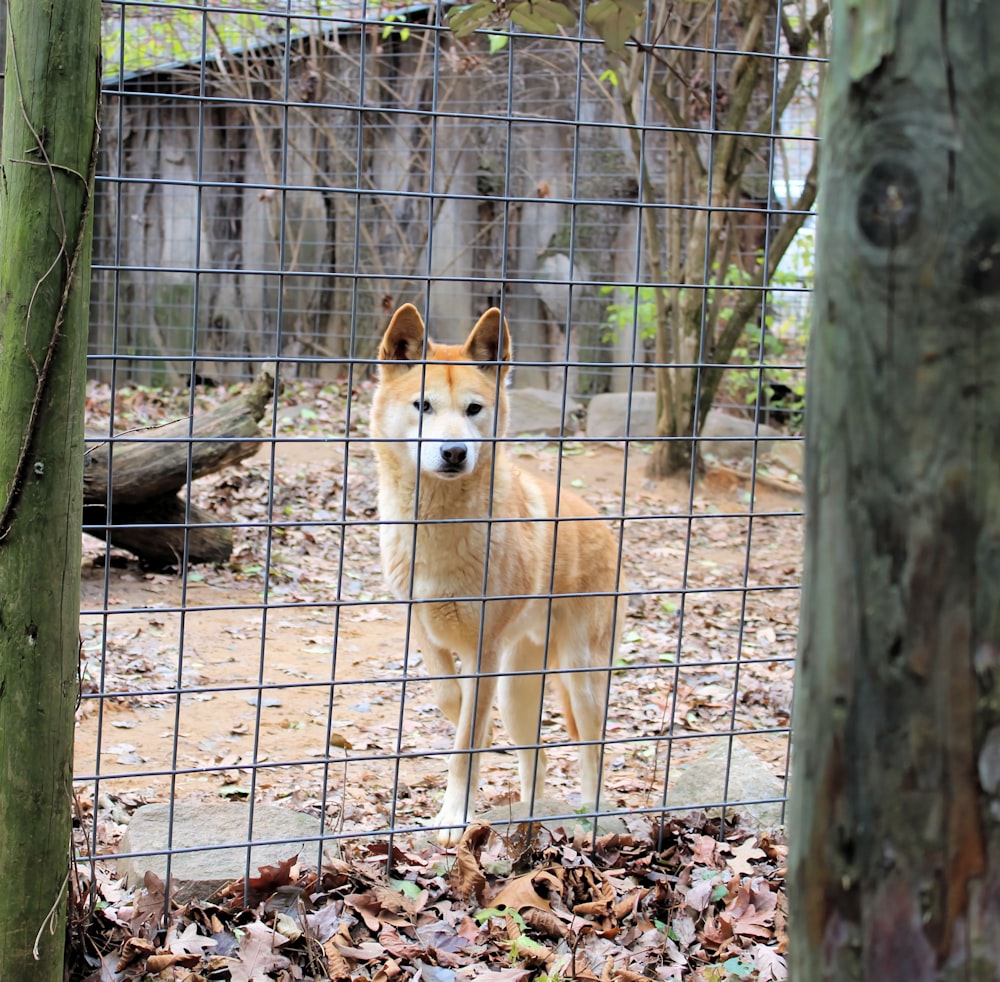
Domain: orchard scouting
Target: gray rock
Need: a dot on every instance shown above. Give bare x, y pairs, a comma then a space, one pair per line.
202, 824
703, 782
508, 818
734, 436
542, 411
611, 416
790, 454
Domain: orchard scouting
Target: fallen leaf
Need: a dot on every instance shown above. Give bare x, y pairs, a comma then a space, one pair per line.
740, 863
770, 965
467, 874
257, 955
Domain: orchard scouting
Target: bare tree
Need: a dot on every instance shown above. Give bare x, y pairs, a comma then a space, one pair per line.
710, 71
702, 92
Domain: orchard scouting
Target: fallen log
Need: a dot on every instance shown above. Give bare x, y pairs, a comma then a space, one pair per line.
155, 532
145, 469
153, 461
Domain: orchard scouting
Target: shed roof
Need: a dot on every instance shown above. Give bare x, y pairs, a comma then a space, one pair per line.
139, 39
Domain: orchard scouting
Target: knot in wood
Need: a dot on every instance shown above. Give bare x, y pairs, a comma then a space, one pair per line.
982, 257
889, 204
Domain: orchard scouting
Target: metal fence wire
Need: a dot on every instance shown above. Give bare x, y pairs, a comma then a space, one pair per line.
275, 181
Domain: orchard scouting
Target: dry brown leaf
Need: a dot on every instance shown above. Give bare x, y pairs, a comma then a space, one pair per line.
704, 848
150, 905
372, 912
520, 893
745, 918
741, 864
624, 975
396, 902
769, 963
400, 947
258, 955
336, 964
585, 881
159, 963
467, 875
389, 971
504, 975
544, 921
132, 951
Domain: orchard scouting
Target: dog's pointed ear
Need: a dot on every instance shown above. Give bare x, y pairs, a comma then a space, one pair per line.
403, 340
490, 339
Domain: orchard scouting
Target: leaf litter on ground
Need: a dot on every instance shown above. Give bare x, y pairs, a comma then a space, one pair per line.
682, 899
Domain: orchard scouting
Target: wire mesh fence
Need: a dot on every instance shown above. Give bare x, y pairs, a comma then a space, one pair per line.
276, 181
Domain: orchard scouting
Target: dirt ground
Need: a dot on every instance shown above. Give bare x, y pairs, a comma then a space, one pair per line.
284, 674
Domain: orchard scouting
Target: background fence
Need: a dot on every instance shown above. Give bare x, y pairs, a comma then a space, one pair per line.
273, 183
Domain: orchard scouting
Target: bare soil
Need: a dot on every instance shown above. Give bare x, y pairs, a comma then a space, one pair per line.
285, 674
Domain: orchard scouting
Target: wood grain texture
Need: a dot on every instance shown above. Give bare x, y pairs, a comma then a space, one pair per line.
47, 158
895, 830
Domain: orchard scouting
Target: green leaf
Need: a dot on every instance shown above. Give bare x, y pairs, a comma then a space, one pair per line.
497, 42
737, 967
406, 887
464, 20
525, 17
615, 21
481, 916
554, 10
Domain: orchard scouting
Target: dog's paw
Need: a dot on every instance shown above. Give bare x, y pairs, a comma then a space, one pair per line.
453, 825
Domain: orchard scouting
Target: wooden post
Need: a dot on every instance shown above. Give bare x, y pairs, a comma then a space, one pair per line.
46, 184
895, 816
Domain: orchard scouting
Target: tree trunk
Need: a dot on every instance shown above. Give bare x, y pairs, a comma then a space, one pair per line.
895, 814
48, 154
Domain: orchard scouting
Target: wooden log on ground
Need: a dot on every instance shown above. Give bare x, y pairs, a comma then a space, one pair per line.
155, 531
152, 462
147, 468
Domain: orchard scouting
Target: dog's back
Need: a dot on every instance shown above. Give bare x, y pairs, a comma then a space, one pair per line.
461, 524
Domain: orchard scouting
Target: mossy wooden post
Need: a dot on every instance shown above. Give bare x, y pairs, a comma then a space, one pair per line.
895, 817
49, 134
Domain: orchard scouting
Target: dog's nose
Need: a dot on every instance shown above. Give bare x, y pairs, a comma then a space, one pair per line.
453, 454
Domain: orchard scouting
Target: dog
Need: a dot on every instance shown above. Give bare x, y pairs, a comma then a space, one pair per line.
514, 585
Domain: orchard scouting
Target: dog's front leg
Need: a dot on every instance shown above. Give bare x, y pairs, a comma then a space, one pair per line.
473, 733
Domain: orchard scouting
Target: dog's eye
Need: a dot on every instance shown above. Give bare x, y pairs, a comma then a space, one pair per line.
422, 406
473, 409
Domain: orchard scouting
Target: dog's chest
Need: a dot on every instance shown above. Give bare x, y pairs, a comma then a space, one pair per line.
435, 560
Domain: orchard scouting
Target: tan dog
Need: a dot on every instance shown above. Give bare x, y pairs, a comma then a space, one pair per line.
485, 530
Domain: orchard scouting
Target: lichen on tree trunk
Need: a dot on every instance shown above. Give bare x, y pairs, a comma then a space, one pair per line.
895, 816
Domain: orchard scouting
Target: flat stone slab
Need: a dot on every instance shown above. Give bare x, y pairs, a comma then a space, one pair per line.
506, 819
615, 415
703, 782
203, 824
542, 411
